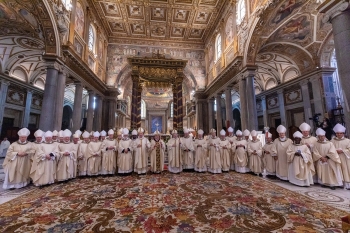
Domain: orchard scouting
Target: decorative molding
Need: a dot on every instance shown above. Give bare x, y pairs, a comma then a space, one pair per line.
333, 8
292, 97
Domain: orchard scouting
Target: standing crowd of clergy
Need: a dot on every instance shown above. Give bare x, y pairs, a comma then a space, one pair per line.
53, 157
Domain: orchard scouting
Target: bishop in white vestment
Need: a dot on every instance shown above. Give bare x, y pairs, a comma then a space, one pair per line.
67, 158
241, 157
282, 143
214, 153
109, 154
140, 146
269, 156
94, 154
125, 160
200, 146
187, 150
255, 153
157, 148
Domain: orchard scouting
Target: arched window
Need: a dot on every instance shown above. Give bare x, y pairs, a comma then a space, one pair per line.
172, 109
67, 4
91, 39
218, 47
240, 11
336, 83
143, 109
215, 105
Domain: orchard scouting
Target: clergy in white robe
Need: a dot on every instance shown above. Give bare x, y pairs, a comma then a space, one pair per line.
83, 154
109, 154
200, 146
94, 154
125, 159
55, 136
67, 158
309, 141
241, 156
44, 164
342, 145
328, 161
269, 156
214, 153
36, 146
255, 154
5, 144
140, 147
60, 136
157, 149
103, 135
174, 153
282, 143
17, 162
300, 164
224, 148
246, 135
187, 150
232, 139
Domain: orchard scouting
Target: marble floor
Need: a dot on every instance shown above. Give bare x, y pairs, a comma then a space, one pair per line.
338, 198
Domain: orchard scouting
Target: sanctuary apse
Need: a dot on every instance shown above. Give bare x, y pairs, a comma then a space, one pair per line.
247, 64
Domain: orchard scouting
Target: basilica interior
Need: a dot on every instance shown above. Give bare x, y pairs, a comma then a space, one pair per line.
172, 64
94, 65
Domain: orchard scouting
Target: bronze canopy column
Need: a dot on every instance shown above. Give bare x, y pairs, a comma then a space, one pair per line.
178, 82
138, 116
134, 101
174, 105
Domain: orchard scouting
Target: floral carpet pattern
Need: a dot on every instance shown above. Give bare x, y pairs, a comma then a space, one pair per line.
181, 203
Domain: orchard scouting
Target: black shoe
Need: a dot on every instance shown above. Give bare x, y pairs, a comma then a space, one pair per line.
333, 188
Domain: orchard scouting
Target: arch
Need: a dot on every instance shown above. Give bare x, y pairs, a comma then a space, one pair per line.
270, 83
290, 74
19, 73
236, 113
39, 83
143, 109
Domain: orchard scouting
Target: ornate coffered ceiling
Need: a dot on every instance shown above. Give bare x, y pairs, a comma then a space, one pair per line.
187, 21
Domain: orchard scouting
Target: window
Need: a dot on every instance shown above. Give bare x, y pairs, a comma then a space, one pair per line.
67, 4
218, 47
240, 11
172, 109
215, 105
91, 38
143, 109
336, 83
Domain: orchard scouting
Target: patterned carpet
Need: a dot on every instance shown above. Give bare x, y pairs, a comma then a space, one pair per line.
188, 202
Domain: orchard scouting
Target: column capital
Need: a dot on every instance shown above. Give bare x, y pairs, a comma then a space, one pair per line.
280, 91
53, 65
263, 97
4, 82
91, 92
77, 83
248, 71
113, 92
30, 91
212, 99
333, 8
304, 82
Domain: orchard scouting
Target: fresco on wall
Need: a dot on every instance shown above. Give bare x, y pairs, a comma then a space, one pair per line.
100, 50
285, 10
295, 30
118, 54
229, 30
79, 20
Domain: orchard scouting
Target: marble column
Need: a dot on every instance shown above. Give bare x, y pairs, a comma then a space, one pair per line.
264, 109
26, 114
134, 97
251, 103
47, 117
317, 96
199, 114
282, 108
77, 108
338, 14
112, 111
243, 103
306, 101
211, 113
61, 85
218, 113
3, 94
98, 113
229, 111
90, 111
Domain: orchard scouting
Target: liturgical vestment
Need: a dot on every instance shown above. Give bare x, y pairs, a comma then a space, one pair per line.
281, 163
329, 173
157, 155
270, 152
109, 156
300, 168
44, 170
66, 164
200, 161
214, 155
241, 157
232, 140
255, 161
82, 158
125, 160
140, 147
187, 150
174, 155
225, 149
344, 145
16, 168
94, 153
